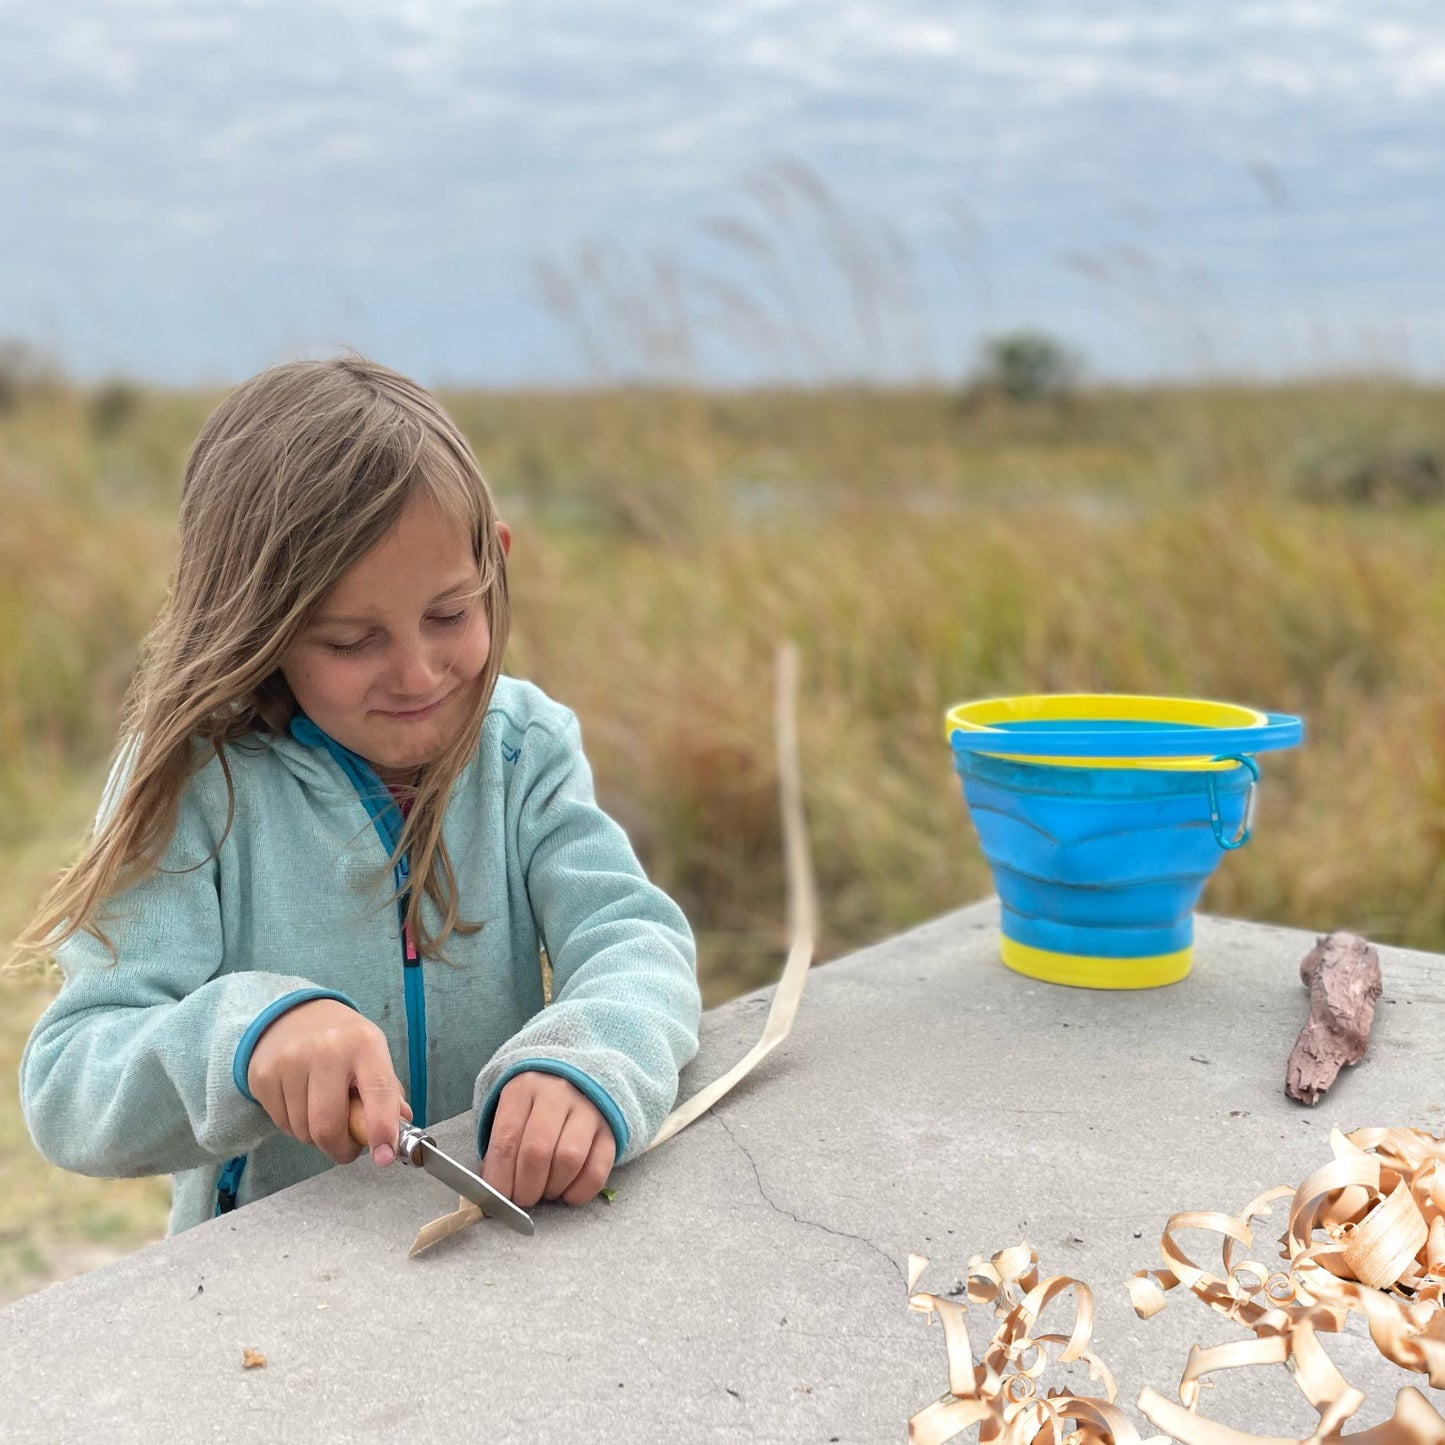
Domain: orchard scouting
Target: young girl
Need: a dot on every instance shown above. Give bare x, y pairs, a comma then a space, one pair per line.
336, 838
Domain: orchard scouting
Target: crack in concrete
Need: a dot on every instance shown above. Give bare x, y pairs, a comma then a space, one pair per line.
798, 1218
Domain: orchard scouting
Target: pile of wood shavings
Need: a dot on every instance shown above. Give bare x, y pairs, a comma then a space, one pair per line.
1002, 1392
1366, 1234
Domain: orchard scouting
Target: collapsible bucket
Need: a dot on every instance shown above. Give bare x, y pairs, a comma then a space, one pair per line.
1102, 817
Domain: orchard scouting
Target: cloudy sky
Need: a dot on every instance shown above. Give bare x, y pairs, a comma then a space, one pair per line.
501, 192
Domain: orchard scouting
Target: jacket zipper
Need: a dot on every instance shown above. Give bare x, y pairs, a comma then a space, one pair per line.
415, 1004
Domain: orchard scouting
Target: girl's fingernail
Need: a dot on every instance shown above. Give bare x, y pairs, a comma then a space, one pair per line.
384, 1155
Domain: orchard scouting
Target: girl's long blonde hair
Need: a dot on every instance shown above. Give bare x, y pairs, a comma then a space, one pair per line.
295, 475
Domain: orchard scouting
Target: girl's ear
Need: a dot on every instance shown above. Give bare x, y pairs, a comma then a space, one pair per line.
505, 533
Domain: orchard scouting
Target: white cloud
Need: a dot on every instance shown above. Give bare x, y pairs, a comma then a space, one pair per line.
1410, 160
88, 48
1422, 73
194, 221
253, 133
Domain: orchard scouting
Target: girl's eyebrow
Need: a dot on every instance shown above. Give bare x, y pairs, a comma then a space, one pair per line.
466, 584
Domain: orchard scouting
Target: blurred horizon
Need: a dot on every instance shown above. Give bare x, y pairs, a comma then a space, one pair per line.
767, 193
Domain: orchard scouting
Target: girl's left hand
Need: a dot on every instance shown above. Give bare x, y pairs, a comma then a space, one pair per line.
549, 1141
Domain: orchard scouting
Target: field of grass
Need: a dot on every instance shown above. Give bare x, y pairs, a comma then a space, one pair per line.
920, 550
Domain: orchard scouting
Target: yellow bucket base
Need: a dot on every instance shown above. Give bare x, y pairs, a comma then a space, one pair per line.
1080, 970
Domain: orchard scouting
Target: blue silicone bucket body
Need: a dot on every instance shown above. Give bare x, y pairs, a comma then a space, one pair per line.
1099, 868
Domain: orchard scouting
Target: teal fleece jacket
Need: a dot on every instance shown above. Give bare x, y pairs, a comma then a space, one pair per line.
140, 1067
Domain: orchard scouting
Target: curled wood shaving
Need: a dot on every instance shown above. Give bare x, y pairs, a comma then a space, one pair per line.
802, 906
1365, 1234
1002, 1391
803, 928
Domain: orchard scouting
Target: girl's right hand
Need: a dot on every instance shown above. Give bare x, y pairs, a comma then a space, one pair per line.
307, 1064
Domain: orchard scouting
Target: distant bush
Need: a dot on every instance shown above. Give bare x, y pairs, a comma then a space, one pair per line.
1381, 474
25, 370
112, 404
1028, 366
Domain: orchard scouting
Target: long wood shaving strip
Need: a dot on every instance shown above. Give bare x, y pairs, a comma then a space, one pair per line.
803, 927
1002, 1390
1365, 1233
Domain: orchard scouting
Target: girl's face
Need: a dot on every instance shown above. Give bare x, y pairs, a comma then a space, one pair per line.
391, 662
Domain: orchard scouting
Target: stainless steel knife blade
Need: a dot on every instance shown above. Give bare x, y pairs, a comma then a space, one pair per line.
421, 1149
418, 1148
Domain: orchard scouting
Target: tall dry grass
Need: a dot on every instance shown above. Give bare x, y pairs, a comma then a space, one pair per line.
921, 550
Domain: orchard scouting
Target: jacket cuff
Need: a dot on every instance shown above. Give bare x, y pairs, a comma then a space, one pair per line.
594, 1091
241, 1064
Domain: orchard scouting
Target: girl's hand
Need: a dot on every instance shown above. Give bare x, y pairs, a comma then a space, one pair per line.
307, 1064
549, 1141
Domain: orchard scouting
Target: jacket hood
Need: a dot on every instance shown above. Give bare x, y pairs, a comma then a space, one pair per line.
329, 769
311, 763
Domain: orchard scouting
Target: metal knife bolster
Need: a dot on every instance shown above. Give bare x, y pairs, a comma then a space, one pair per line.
410, 1142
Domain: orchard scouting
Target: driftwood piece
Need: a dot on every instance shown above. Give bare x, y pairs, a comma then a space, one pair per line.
1343, 974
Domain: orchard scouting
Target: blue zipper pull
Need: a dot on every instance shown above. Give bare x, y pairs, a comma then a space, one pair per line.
229, 1184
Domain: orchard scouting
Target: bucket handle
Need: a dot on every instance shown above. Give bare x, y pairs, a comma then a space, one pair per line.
1242, 837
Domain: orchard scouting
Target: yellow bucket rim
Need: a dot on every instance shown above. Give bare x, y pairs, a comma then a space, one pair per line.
988, 712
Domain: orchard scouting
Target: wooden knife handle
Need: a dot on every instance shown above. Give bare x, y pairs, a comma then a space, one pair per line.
356, 1127
356, 1121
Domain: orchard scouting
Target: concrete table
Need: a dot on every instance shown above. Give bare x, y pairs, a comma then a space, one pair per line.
748, 1281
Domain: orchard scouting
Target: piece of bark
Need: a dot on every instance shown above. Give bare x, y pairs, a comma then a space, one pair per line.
1343, 974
